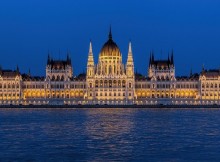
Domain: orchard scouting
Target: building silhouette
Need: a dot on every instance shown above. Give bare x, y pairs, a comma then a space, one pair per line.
109, 82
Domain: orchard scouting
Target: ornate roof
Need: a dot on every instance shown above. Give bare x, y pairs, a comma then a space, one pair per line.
58, 64
110, 48
213, 73
9, 73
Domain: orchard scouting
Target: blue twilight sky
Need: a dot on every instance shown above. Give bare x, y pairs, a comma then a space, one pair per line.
29, 28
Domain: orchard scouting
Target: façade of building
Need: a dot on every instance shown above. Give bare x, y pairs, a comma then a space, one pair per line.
109, 82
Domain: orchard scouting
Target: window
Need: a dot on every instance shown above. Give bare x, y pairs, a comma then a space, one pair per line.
96, 83
123, 83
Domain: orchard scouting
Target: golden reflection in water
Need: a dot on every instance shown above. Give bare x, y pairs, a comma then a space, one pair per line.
109, 123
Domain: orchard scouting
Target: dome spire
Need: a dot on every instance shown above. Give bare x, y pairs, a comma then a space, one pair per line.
110, 33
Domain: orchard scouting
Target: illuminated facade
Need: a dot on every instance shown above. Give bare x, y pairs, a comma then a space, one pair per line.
109, 82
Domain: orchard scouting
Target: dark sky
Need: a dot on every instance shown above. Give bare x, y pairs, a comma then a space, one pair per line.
29, 28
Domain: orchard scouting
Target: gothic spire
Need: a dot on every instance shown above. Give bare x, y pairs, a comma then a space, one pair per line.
152, 56
191, 73
68, 59
110, 33
48, 58
29, 72
17, 69
150, 60
90, 55
168, 57
203, 68
172, 61
130, 55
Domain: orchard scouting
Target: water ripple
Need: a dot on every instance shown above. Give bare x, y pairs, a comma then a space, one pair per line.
109, 134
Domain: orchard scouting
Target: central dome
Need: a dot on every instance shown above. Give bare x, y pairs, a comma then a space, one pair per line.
110, 48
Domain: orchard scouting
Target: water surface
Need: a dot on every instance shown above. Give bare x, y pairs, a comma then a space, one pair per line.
109, 134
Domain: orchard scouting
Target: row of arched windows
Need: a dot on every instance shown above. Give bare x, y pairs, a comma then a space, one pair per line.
110, 83
9, 86
210, 85
58, 78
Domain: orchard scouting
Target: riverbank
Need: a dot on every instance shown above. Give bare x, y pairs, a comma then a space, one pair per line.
110, 106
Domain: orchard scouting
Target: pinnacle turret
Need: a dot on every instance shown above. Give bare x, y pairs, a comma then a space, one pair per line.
172, 61
90, 55
130, 55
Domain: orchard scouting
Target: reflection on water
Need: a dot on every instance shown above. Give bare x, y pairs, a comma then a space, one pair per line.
108, 123
109, 134
106, 127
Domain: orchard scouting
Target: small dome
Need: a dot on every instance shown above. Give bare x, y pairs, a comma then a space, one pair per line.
110, 48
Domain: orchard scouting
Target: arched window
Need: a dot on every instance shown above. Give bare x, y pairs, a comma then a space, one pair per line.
123, 83
114, 83
119, 83
96, 83
105, 83
101, 83
110, 69
110, 84
58, 78
62, 78
106, 69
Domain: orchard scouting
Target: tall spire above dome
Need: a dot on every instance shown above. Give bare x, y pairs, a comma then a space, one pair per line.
110, 33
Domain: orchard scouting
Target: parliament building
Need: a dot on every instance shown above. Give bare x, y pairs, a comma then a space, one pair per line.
109, 82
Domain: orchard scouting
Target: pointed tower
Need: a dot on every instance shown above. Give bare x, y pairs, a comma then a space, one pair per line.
90, 94
168, 58
90, 63
130, 63
191, 73
130, 75
17, 69
110, 33
172, 61
68, 59
150, 60
48, 58
29, 72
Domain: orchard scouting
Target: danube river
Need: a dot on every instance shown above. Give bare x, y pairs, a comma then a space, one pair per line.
109, 134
